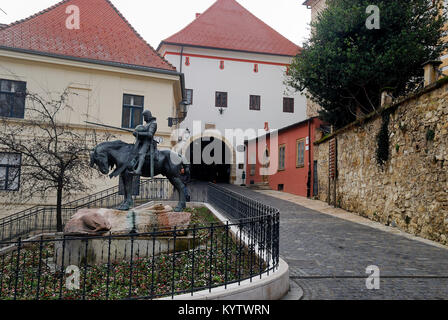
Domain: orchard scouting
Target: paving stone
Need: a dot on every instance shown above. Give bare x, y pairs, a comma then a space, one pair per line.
319, 245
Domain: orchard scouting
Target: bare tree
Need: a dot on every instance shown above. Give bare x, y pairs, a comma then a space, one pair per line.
54, 154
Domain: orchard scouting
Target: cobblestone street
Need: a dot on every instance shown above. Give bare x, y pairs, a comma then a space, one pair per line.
328, 256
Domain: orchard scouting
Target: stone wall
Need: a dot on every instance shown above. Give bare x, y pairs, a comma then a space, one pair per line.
312, 108
411, 190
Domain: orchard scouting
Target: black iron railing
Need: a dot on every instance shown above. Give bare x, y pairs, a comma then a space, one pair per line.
42, 219
162, 263
237, 207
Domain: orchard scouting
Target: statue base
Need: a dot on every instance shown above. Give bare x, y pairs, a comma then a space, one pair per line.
154, 224
93, 222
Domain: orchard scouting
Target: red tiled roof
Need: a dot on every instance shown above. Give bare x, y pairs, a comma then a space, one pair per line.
228, 25
104, 35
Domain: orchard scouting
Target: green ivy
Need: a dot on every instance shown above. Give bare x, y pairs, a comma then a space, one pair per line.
344, 66
430, 134
382, 151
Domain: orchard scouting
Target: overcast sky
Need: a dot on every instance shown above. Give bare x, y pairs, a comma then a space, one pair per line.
156, 20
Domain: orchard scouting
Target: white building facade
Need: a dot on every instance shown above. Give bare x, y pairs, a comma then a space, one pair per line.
234, 76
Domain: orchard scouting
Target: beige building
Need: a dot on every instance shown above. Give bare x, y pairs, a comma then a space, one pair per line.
316, 6
112, 74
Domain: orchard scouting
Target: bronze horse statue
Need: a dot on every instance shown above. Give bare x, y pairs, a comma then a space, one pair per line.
108, 155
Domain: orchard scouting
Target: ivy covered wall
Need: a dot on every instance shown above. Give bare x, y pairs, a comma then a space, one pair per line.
409, 189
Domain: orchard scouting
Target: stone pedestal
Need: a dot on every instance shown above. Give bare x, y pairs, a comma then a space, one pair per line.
152, 224
95, 222
102, 250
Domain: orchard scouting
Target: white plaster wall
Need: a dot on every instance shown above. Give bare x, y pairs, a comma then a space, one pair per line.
238, 79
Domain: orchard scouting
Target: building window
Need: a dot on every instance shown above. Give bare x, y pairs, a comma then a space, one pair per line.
254, 102
300, 156
12, 98
281, 157
281, 187
288, 105
252, 169
189, 96
132, 111
221, 99
10, 164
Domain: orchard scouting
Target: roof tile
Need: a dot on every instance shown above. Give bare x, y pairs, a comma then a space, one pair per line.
104, 35
228, 25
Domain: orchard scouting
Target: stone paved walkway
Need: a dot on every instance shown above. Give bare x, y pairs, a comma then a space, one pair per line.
328, 256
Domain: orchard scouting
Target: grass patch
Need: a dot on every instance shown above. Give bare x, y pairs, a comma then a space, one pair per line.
202, 216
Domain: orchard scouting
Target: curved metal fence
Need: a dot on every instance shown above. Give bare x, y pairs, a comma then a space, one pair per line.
42, 219
161, 263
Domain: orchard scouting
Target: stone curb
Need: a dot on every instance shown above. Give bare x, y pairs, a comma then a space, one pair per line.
274, 286
295, 292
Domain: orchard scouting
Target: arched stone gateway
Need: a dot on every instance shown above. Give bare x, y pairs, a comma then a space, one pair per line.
211, 158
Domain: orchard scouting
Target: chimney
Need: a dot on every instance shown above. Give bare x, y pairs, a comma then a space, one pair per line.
197, 15
432, 73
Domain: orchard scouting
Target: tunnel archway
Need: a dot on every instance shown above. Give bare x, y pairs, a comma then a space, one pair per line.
210, 159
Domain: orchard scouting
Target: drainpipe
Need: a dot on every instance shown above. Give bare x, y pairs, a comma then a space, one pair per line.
308, 183
181, 58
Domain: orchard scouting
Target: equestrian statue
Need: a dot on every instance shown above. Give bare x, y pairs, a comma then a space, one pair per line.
141, 159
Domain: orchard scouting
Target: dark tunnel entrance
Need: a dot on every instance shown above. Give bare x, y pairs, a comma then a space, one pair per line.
210, 160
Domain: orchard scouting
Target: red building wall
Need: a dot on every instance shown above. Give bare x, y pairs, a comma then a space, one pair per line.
294, 179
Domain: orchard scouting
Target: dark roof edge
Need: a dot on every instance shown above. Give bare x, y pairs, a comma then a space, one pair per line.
225, 49
284, 128
99, 62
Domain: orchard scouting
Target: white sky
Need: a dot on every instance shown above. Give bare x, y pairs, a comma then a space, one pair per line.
156, 20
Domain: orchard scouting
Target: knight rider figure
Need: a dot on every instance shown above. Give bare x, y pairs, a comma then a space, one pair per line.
145, 141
